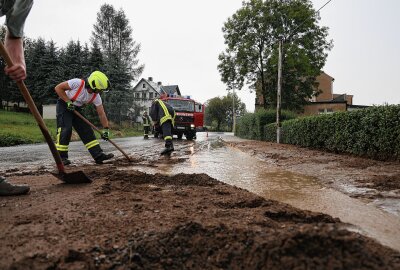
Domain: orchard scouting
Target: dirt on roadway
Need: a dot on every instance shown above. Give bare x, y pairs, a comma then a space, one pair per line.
128, 219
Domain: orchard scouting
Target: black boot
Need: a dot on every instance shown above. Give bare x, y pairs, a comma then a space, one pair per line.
66, 161
99, 159
169, 148
7, 189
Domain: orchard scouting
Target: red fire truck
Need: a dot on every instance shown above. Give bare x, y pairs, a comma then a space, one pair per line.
189, 116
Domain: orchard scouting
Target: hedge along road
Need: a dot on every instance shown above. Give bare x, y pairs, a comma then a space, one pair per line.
209, 154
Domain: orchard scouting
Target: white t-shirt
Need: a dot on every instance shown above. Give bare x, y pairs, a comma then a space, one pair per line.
84, 96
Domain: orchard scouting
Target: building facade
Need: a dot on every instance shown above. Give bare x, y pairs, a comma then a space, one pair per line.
324, 100
145, 91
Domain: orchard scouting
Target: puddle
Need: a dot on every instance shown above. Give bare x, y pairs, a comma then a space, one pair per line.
234, 167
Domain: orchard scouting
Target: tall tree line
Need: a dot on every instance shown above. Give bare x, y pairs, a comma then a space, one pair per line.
112, 50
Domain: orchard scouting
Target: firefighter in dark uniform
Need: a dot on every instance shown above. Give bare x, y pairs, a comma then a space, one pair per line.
73, 95
146, 124
164, 115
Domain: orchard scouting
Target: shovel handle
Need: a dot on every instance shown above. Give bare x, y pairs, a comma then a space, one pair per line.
32, 107
99, 131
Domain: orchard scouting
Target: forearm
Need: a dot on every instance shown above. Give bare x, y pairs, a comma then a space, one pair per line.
61, 93
15, 49
103, 121
102, 116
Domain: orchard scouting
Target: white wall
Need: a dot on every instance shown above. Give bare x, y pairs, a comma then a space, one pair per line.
49, 111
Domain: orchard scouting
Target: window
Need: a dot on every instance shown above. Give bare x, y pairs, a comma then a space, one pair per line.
144, 95
199, 107
181, 105
325, 111
150, 95
144, 86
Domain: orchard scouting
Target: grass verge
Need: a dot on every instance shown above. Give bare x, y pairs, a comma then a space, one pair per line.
21, 128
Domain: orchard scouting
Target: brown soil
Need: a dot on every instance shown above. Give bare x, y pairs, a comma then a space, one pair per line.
133, 220
382, 179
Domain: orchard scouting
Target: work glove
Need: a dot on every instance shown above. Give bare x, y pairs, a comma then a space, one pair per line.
106, 134
70, 106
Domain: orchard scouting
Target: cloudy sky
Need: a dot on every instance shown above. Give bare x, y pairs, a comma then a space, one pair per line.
181, 40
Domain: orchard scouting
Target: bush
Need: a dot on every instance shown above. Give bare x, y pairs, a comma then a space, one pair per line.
252, 125
372, 132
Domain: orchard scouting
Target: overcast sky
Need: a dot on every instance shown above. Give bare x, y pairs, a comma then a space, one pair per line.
181, 41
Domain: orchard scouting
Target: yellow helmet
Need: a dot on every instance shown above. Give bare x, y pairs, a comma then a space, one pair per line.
98, 81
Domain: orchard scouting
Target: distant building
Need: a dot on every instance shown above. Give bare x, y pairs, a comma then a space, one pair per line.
325, 101
171, 90
328, 102
145, 91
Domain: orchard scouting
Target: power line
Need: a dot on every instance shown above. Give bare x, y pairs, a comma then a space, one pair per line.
294, 30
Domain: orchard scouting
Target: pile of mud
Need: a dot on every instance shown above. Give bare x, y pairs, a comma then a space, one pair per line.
180, 222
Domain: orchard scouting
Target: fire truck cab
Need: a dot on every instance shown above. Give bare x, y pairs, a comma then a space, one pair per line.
189, 116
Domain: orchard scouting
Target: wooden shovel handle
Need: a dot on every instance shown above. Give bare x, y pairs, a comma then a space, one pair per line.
32, 107
99, 131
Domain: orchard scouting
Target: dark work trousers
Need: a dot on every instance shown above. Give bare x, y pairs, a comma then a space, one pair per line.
66, 119
146, 130
167, 132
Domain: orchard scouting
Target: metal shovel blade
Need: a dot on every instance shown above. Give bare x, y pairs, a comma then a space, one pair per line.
73, 177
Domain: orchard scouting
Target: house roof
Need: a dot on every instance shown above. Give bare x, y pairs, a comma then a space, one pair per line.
171, 89
326, 102
323, 73
341, 97
152, 84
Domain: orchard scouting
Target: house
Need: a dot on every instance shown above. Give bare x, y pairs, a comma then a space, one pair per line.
327, 101
171, 90
145, 91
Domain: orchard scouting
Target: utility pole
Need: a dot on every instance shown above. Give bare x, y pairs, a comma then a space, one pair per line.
278, 98
233, 111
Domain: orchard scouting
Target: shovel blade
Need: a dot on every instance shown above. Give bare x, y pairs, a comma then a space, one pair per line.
77, 177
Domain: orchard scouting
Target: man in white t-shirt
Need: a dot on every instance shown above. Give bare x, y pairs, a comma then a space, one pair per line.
73, 95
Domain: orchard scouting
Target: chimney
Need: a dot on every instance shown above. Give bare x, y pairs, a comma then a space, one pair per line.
150, 79
159, 83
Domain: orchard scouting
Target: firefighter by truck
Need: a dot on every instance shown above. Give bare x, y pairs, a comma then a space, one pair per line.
163, 115
189, 116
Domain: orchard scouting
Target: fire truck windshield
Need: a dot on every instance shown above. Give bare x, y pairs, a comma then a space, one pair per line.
181, 105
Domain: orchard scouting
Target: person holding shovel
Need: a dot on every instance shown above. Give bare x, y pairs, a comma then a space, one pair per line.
73, 95
16, 13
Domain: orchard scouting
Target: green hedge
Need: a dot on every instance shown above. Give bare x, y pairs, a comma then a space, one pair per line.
372, 132
252, 125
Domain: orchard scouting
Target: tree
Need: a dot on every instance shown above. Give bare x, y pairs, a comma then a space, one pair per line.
240, 107
42, 63
251, 56
114, 34
219, 111
96, 61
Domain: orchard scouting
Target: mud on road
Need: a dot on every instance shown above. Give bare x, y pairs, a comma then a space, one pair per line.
356, 176
127, 219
